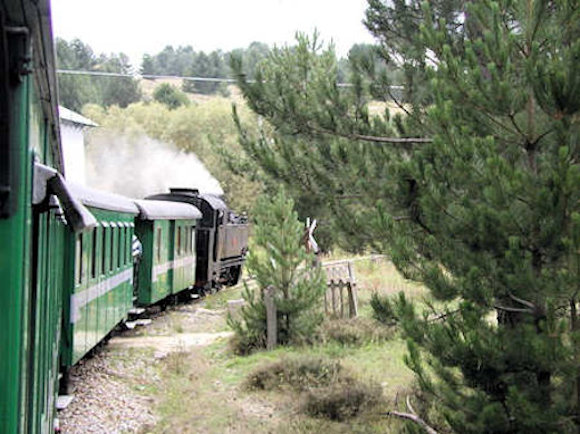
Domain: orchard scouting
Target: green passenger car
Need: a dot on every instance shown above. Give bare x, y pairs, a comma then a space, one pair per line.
31, 235
166, 231
99, 274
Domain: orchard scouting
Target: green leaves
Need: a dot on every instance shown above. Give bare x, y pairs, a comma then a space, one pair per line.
279, 259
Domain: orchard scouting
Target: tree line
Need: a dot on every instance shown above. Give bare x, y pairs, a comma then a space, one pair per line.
182, 61
77, 90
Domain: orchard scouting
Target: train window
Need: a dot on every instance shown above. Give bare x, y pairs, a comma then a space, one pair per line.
120, 244
158, 244
112, 250
94, 254
126, 246
192, 238
179, 241
186, 239
79, 259
104, 250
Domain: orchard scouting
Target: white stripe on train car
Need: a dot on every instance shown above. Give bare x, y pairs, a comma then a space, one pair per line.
169, 265
81, 299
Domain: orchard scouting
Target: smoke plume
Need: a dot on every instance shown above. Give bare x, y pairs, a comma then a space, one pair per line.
137, 166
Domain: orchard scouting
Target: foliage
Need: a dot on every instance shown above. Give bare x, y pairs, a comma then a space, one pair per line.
77, 90
384, 310
279, 259
169, 95
475, 192
210, 65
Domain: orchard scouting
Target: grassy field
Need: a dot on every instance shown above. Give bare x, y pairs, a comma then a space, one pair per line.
205, 389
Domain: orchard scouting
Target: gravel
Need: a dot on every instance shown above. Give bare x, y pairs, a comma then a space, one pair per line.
104, 401
110, 387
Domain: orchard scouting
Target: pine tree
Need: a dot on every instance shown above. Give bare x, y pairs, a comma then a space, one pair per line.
473, 188
279, 259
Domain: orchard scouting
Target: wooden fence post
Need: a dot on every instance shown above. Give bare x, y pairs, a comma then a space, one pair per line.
352, 295
271, 320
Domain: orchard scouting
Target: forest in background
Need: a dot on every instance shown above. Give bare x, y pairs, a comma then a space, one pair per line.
183, 61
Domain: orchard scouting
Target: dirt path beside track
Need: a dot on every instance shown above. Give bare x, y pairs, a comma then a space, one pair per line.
178, 342
110, 387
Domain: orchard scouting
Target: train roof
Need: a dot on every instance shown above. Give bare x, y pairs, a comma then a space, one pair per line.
103, 200
74, 118
166, 210
192, 195
214, 201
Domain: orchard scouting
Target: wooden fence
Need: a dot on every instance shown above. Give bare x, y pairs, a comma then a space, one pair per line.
340, 300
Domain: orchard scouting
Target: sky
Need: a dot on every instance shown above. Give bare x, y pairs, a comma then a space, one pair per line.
136, 27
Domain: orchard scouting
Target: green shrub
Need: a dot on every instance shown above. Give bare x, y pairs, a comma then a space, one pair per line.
171, 96
384, 309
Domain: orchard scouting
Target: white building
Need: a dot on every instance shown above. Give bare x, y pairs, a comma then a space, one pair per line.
72, 126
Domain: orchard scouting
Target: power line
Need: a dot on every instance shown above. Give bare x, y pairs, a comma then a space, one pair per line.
165, 77
144, 76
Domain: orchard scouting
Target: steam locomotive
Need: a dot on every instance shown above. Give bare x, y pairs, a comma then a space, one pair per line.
68, 273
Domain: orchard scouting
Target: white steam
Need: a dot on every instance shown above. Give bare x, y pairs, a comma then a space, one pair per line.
138, 166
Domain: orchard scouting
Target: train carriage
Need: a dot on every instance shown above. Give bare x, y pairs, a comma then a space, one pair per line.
65, 263
222, 238
31, 234
167, 234
99, 273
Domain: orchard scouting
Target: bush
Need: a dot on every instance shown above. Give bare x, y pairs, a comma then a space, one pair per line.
384, 309
327, 389
341, 401
353, 331
300, 373
169, 95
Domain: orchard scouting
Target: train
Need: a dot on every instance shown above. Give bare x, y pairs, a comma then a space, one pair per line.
75, 261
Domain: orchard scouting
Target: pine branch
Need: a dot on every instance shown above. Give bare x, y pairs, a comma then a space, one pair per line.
374, 139
522, 301
512, 309
412, 416
443, 315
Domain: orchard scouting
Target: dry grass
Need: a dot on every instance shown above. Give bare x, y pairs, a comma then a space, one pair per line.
300, 372
353, 332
